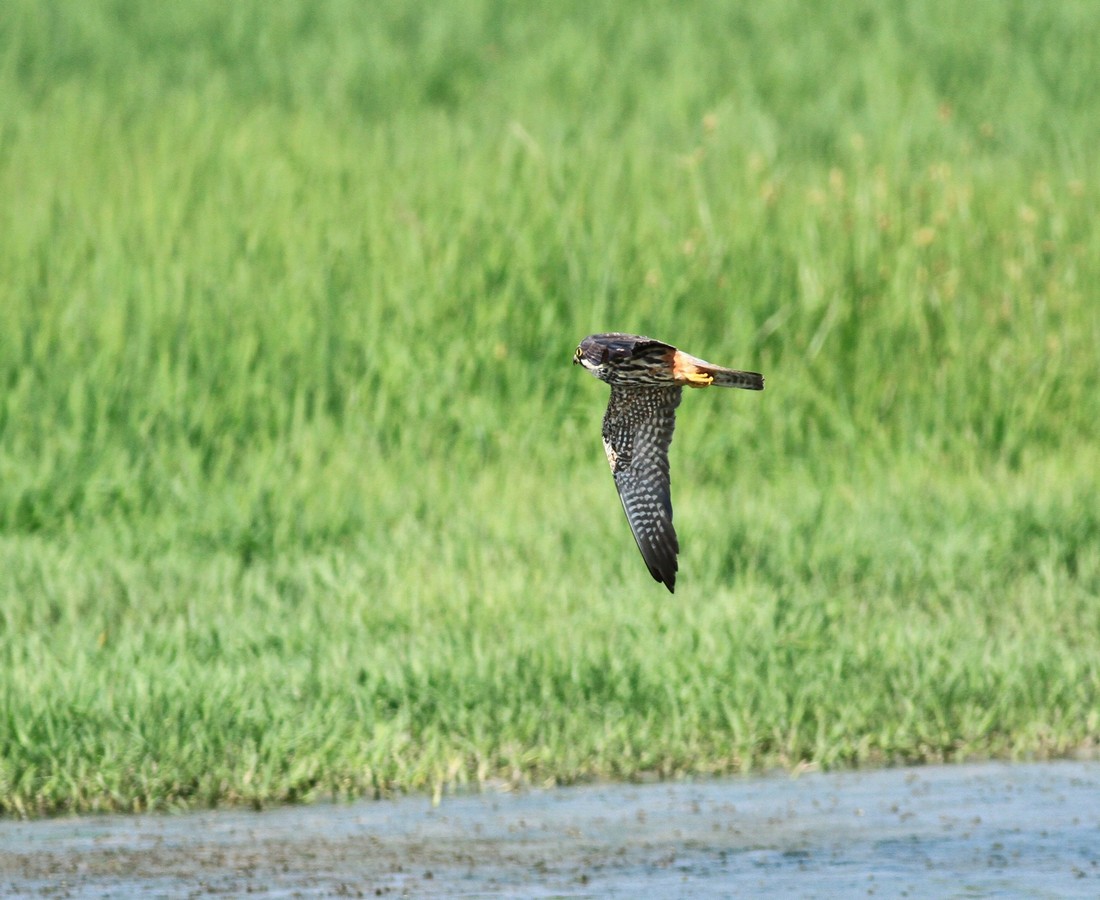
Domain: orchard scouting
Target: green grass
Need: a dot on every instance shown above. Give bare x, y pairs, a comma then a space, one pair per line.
300, 494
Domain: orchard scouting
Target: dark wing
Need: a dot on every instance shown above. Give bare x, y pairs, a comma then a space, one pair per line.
637, 431
623, 347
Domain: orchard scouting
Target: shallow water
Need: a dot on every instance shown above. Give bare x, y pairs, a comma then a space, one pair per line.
938, 831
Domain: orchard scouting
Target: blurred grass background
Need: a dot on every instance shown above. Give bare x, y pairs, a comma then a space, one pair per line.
300, 495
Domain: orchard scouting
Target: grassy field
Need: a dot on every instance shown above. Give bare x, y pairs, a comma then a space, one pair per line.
300, 494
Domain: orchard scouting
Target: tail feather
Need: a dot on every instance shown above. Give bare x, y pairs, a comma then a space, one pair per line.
749, 381
698, 373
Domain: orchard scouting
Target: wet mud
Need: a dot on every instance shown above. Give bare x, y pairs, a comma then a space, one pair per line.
940, 831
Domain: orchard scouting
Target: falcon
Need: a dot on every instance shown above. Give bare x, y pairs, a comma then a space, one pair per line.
647, 378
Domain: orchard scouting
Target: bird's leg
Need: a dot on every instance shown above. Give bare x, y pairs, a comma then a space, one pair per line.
687, 370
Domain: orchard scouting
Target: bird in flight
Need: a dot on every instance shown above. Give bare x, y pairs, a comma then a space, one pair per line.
647, 378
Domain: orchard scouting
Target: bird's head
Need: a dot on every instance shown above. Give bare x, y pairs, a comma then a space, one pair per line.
593, 355
620, 358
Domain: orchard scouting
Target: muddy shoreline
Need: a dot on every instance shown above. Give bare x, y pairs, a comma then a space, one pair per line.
935, 831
